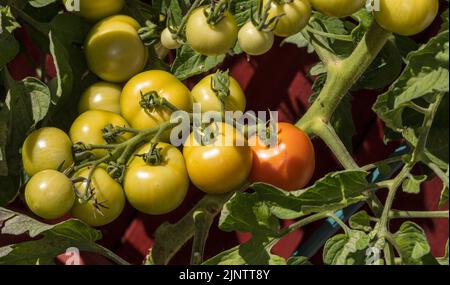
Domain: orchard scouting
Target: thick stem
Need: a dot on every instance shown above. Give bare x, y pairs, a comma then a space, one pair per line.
343, 74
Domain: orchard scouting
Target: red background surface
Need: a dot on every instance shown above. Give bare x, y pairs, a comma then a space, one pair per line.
278, 81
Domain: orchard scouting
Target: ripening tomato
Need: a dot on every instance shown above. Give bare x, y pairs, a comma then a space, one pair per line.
253, 41
406, 17
49, 194
88, 129
209, 39
203, 94
221, 166
46, 148
101, 96
114, 50
168, 41
289, 165
156, 189
99, 9
108, 200
165, 85
295, 17
338, 8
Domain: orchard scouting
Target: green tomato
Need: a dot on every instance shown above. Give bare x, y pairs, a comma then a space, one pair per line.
406, 17
295, 17
157, 189
49, 194
168, 41
209, 39
101, 96
88, 129
94, 10
114, 50
338, 8
203, 94
46, 148
253, 41
107, 203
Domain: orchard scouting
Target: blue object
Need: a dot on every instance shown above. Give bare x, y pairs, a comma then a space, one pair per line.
317, 240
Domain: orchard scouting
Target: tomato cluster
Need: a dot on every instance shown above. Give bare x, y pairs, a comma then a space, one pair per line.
118, 149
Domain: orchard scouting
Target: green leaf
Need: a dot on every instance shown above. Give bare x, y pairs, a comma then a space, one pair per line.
189, 63
54, 239
298, 260
255, 212
346, 249
444, 194
254, 252
413, 245
360, 221
10, 46
412, 184
241, 9
444, 259
41, 3
425, 76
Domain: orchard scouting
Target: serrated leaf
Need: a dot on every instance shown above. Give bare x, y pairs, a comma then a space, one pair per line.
10, 46
189, 63
55, 239
333, 192
360, 221
254, 252
412, 184
413, 245
346, 249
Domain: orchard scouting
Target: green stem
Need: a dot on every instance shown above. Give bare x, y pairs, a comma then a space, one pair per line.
342, 75
43, 28
340, 222
438, 171
346, 38
397, 214
110, 255
194, 6
390, 160
202, 222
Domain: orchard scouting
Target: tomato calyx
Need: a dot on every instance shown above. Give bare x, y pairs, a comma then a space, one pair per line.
261, 20
216, 11
151, 101
153, 156
149, 34
116, 171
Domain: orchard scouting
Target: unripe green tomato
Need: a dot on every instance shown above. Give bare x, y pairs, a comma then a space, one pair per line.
406, 17
106, 191
338, 8
253, 41
46, 148
49, 194
295, 17
94, 10
203, 94
209, 39
156, 189
168, 41
88, 129
101, 96
114, 50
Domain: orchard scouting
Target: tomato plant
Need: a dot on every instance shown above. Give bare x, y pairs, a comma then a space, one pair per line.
114, 122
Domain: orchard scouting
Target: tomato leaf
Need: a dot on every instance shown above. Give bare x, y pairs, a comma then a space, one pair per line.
346, 249
54, 240
413, 245
298, 260
444, 194
360, 221
256, 212
10, 46
412, 184
189, 63
254, 252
